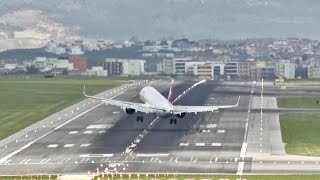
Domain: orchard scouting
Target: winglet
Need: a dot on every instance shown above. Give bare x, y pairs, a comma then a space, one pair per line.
238, 101
84, 90
170, 95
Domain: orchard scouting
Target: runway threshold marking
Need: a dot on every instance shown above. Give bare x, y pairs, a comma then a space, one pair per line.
44, 135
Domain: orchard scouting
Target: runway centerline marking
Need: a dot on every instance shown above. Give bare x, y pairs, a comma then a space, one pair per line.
95, 155
68, 145
151, 155
44, 135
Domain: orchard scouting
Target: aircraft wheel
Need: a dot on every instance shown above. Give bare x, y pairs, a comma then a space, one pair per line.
175, 121
171, 121
141, 118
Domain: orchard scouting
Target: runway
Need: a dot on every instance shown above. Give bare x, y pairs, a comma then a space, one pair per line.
90, 137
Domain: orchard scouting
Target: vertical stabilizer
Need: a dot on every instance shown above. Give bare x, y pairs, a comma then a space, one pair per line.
170, 95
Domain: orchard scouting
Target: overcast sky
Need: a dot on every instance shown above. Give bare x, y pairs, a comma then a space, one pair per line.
195, 19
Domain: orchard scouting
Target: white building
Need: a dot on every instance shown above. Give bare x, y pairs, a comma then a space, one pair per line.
285, 69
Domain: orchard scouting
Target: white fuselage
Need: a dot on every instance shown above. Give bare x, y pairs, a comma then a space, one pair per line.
162, 107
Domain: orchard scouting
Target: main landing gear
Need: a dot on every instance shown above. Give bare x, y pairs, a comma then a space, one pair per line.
173, 121
140, 118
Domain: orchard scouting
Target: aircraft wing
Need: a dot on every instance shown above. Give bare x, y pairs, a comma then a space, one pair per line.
195, 109
138, 107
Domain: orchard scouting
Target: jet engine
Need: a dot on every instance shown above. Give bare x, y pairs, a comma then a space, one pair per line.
181, 115
129, 111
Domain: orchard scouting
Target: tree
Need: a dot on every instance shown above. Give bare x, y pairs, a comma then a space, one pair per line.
164, 43
32, 69
65, 72
134, 39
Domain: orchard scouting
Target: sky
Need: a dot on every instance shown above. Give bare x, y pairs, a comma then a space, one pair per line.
194, 19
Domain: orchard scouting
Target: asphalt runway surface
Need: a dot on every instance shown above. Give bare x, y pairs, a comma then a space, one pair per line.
90, 137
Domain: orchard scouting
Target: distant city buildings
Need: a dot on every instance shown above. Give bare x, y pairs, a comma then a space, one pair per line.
125, 67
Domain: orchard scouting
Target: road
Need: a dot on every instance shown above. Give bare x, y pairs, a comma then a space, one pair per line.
90, 137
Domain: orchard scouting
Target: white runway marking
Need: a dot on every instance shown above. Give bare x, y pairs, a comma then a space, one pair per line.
221, 131
85, 145
27, 161
68, 145
73, 132
206, 131
211, 125
58, 127
216, 144
101, 132
87, 132
200, 144
53, 145
7, 162
22, 161
95, 155
151, 155
98, 126
184, 144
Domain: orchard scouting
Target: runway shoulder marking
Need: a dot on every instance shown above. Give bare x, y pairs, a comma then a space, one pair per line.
53, 145
95, 155
151, 155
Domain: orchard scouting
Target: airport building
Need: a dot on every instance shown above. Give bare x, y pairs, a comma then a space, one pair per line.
79, 63
245, 69
125, 67
168, 66
285, 69
232, 70
45, 64
314, 71
180, 65
205, 70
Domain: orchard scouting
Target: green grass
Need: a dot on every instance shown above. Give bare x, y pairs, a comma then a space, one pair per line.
301, 133
299, 102
24, 102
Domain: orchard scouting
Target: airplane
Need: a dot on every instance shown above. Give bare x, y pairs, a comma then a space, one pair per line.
154, 102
